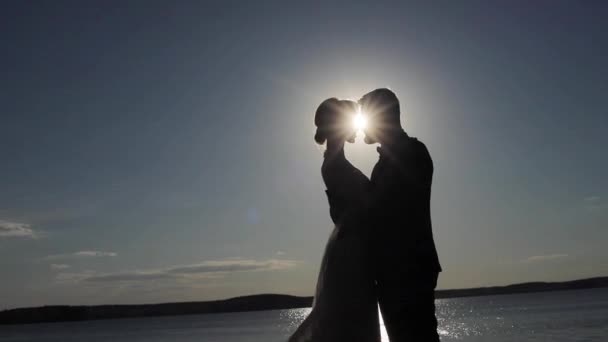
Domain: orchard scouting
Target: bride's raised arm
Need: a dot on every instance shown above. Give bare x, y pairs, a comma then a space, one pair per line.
347, 186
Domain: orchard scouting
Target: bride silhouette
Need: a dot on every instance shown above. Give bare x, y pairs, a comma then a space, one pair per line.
345, 306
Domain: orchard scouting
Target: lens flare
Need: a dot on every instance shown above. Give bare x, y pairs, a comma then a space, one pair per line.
360, 121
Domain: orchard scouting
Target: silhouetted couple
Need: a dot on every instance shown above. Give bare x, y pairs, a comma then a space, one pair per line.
381, 249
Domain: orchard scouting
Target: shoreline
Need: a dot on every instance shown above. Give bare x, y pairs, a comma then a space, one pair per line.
260, 302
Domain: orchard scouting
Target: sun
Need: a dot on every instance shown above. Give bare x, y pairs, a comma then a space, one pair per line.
359, 121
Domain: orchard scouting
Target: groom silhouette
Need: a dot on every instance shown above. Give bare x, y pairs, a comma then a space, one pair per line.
406, 257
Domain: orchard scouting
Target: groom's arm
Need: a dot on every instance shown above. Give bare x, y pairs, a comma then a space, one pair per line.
411, 169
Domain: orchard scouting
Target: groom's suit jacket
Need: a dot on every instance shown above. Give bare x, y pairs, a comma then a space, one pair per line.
401, 216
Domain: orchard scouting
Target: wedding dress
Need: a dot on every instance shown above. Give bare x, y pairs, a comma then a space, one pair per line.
345, 306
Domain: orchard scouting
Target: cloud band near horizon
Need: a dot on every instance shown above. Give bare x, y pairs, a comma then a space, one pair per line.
206, 269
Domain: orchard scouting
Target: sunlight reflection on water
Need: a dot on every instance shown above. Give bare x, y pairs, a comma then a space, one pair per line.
557, 316
296, 316
567, 316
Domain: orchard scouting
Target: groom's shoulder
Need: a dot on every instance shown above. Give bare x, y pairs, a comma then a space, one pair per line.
418, 149
415, 142
416, 145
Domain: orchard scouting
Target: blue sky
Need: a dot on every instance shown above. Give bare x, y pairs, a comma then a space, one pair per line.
162, 151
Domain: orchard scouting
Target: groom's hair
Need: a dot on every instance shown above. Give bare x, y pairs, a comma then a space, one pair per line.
382, 102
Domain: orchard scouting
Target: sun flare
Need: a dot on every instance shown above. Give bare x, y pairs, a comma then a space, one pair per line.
359, 121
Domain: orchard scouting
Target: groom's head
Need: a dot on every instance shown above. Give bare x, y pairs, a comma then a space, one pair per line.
382, 108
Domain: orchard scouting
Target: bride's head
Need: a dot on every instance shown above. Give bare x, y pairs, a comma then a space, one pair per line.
334, 121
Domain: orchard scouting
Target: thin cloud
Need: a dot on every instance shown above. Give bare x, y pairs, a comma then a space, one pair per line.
82, 254
207, 269
548, 257
592, 199
59, 266
16, 229
73, 277
233, 265
134, 276
594, 203
95, 254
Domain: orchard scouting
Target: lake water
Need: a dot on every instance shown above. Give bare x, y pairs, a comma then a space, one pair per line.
580, 315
